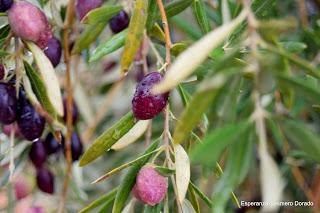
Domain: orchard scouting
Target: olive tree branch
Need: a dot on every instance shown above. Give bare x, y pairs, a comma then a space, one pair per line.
67, 27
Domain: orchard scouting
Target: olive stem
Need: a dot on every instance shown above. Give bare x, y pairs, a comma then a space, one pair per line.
166, 131
68, 24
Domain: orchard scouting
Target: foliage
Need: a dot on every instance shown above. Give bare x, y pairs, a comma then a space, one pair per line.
242, 123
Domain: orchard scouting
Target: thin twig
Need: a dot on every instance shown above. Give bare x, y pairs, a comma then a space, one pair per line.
166, 131
68, 24
166, 30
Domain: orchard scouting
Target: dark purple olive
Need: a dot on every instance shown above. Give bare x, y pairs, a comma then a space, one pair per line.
74, 110
2, 71
30, 122
5, 5
8, 103
38, 153
53, 51
76, 147
45, 180
144, 104
52, 146
119, 22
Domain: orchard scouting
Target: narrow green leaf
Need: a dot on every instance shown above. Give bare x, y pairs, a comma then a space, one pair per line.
109, 46
187, 207
196, 54
305, 138
135, 33
302, 63
215, 142
153, 209
4, 31
107, 198
186, 27
190, 117
301, 86
104, 142
260, 8
237, 167
201, 15
129, 180
48, 77
101, 14
201, 194
124, 166
175, 7
165, 171
152, 14
157, 33
178, 48
193, 199
38, 87
88, 36
294, 46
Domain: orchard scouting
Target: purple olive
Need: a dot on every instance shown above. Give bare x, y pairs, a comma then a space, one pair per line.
5, 5
53, 51
8, 103
119, 22
38, 153
144, 104
30, 122
45, 180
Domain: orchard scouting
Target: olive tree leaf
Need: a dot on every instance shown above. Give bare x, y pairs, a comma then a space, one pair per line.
48, 77
302, 136
105, 141
101, 14
200, 101
187, 207
201, 194
36, 90
152, 14
178, 48
215, 142
175, 7
132, 135
199, 12
88, 36
186, 27
298, 61
109, 46
165, 171
107, 198
293, 46
129, 180
272, 184
187, 61
194, 200
182, 166
135, 33
301, 86
153, 209
124, 166
238, 164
